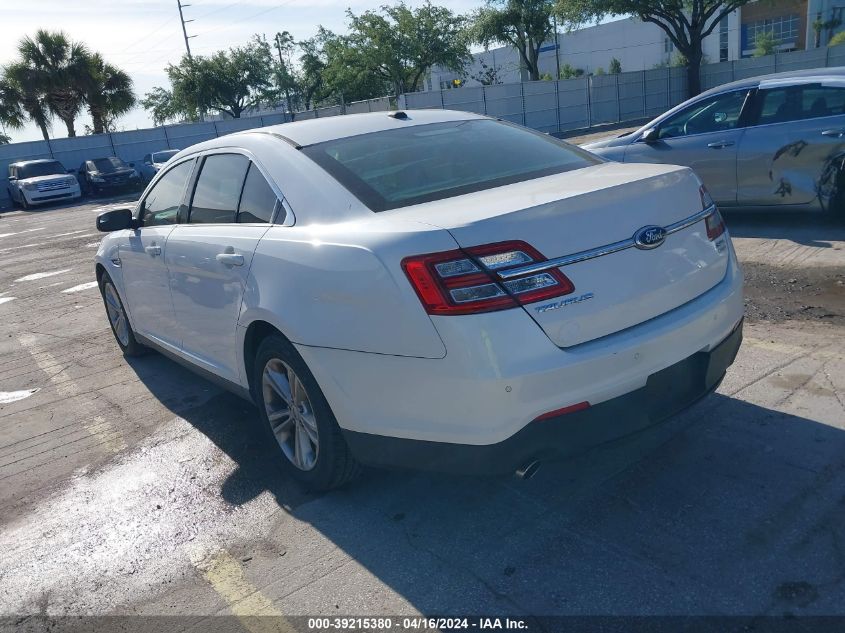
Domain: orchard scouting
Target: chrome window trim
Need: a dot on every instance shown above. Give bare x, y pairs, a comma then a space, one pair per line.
600, 251
281, 202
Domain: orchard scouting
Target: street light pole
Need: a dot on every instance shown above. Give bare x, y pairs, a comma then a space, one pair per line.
557, 47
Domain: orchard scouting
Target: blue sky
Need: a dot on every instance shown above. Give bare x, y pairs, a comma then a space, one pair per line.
143, 36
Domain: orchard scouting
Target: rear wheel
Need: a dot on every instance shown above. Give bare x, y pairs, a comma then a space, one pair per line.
118, 320
298, 418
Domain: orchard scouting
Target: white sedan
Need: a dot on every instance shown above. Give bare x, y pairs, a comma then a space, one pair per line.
427, 289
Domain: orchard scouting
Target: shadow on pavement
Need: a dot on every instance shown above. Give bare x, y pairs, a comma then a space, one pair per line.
809, 229
727, 509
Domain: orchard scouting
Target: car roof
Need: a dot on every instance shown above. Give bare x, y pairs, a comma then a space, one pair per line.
820, 74
18, 163
328, 129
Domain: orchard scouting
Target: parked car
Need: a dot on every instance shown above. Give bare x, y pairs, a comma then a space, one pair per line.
111, 174
153, 162
772, 141
427, 289
33, 182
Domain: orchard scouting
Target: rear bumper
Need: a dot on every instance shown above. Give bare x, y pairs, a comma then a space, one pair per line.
666, 392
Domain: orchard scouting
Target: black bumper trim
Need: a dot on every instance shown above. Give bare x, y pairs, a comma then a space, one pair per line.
666, 393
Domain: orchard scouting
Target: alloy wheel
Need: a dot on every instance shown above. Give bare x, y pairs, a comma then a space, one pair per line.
117, 316
291, 414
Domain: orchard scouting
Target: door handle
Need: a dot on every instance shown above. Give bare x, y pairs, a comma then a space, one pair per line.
836, 133
720, 144
153, 250
230, 259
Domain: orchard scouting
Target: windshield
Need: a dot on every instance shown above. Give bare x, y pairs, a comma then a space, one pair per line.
32, 170
163, 157
397, 168
108, 164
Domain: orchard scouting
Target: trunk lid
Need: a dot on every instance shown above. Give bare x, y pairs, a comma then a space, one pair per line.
587, 209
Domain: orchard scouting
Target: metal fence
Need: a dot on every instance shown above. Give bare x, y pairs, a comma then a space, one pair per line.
132, 146
570, 104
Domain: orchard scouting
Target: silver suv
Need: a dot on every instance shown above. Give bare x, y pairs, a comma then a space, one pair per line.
34, 182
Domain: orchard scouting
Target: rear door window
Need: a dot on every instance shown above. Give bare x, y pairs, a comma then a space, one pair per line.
218, 189
796, 103
258, 200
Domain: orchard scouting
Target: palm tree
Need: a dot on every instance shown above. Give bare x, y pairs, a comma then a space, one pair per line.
59, 70
108, 93
20, 100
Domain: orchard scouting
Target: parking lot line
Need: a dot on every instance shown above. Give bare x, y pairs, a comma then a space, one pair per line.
226, 575
66, 387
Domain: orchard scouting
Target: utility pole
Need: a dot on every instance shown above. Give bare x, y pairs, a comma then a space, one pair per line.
184, 30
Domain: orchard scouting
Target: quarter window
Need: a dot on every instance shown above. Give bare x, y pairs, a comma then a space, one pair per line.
716, 114
258, 199
218, 189
161, 206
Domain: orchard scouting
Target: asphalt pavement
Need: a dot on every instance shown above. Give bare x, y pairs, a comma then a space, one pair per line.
130, 486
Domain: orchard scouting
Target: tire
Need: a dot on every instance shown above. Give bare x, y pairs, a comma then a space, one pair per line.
112, 302
326, 464
836, 206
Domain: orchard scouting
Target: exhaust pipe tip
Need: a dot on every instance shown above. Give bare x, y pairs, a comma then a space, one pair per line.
528, 470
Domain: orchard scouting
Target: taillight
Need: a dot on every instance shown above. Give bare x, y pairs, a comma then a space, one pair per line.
465, 281
714, 221
715, 225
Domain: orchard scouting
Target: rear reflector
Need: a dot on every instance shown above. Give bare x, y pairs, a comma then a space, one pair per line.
558, 412
465, 281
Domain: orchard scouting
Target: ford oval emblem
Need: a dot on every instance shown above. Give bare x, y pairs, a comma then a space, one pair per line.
649, 237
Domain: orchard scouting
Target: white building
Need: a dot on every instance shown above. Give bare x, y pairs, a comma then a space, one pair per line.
642, 45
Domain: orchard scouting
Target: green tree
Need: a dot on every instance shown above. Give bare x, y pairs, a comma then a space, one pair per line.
400, 44
230, 82
58, 69
837, 39
615, 66
313, 64
285, 79
487, 75
349, 74
21, 101
108, 94
685, 22
567, 71
523, 24
765, 44
5, 139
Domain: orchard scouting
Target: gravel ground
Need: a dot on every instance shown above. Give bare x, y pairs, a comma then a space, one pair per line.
134, 487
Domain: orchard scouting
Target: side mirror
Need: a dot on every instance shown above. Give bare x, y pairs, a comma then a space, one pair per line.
115, 220
650, 135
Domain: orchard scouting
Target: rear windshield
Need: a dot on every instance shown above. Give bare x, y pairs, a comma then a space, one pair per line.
163, 157
108, 164
397, 168
34, 170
